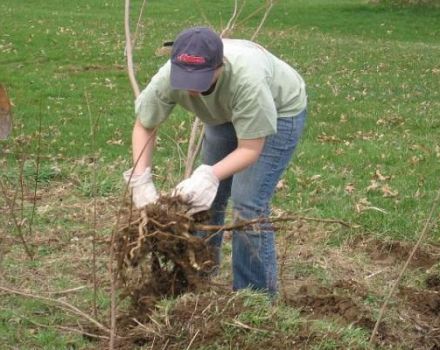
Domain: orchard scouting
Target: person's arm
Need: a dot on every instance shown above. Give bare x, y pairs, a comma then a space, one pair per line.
139, 178
243, 156
143, 141
200, 189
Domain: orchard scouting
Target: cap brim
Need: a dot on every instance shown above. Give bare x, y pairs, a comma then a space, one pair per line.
196, 80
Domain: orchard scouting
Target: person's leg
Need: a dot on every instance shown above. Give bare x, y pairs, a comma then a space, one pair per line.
218, 142
253, 249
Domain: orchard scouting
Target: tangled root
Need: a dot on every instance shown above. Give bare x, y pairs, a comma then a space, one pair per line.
158, 256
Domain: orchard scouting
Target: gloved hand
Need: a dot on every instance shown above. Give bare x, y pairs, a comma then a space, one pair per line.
199, 190
142, 187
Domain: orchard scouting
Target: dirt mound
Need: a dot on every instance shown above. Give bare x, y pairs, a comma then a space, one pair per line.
158, 256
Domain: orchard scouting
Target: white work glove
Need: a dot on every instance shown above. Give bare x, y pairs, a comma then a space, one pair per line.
199, 190
142, 187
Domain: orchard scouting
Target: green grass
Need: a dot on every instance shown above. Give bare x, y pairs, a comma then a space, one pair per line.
373, 83
373, 78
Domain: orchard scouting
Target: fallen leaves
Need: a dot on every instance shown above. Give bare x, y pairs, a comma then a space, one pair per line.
378, 184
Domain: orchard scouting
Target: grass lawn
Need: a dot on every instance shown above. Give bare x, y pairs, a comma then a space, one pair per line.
370, 156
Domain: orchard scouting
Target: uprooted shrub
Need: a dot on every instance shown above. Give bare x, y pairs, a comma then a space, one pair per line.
158, 256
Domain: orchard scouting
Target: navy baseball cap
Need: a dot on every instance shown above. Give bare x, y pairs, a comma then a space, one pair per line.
196, 54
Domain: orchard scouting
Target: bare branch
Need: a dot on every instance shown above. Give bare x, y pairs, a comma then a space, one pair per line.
242, 224
266, 13
138, 24
129, 52
231, 21
254, 13
58, 303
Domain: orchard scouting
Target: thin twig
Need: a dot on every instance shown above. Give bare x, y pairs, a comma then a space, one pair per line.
266, 220
94, 219
231, 21
396, 283
63, 328
37, 174
136, 91
66, 291
69, 307
241, 22
266, 13
17, 224
138, 24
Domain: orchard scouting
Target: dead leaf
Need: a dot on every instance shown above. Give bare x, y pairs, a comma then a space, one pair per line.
374, 185
380, 177
115, 142
388, 192
350, 188
281, 184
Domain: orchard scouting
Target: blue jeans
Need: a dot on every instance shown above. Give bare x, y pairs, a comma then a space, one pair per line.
254, 263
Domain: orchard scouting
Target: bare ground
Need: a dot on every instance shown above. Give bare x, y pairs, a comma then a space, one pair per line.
343, 283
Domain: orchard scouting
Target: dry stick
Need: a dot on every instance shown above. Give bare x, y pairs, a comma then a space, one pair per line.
94, 224
138, 24
266, 13
69, 307
66, 291
266, 220
251, 15
396, 283
231, 20
136, 91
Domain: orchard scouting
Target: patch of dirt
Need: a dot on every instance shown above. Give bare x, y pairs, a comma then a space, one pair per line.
433, 282
423, 312
390, 252
425, 302
319, 301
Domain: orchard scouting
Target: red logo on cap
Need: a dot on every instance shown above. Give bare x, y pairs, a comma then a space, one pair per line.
190, 59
